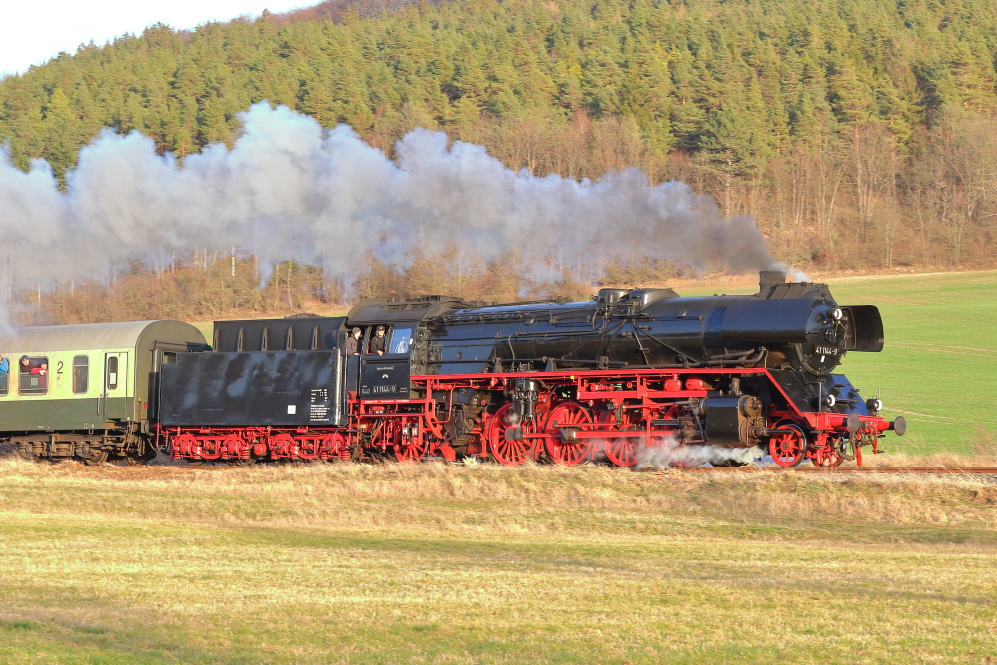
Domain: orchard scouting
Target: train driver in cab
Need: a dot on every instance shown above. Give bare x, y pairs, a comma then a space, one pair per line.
377, 342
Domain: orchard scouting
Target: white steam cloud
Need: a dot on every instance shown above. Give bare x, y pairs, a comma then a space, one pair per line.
290, 190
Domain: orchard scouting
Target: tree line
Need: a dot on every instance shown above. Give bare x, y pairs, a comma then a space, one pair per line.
860, 133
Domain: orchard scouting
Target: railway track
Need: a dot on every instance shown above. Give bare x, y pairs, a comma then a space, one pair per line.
923, 470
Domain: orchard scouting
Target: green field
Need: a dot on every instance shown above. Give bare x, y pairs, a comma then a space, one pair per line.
484, 564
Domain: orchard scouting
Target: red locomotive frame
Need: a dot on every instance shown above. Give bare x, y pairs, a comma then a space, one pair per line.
615, 417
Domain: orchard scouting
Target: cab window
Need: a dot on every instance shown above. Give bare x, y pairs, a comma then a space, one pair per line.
81, 374
401, 340
32, 375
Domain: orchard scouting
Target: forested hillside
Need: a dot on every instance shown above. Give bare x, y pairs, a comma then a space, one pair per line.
860, 133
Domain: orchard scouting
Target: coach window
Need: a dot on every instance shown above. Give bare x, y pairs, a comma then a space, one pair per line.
289, 342
316, 336
81, 374
32, 375
240, 344
112, 372
265, 341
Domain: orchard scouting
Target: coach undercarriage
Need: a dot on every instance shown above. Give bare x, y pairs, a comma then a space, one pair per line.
625, 418
92, 447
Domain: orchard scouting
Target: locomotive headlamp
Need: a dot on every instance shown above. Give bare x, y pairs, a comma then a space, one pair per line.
835, 314
830, 401
874, 404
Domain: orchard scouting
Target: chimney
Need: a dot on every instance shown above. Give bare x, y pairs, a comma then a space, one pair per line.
768, 280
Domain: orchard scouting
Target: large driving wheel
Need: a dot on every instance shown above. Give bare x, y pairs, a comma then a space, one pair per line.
563, 419
789, 447
621, 451
505, 437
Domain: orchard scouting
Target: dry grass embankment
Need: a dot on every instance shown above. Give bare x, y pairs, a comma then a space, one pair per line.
482, 564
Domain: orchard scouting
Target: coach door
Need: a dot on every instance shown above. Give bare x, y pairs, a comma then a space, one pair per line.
116, 396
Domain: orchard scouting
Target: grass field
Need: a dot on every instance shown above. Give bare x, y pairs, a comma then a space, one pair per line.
479, 564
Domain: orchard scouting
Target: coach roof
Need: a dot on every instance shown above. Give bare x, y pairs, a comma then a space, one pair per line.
122, 334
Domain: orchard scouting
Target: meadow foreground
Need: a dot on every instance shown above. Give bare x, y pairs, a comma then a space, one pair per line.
482, 564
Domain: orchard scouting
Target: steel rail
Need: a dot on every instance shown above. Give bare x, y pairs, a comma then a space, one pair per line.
938, 470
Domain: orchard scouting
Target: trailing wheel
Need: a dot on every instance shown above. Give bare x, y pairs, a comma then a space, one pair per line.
505, 437
409, 445
562, 420
789, 447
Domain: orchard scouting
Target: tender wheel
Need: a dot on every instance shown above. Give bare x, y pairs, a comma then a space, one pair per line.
567, 415
509, 451
334, 446
309, 447
790, 447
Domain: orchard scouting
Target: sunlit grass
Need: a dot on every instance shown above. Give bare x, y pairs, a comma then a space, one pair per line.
440, 564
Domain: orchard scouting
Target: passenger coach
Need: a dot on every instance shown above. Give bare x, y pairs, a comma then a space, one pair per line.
84, 390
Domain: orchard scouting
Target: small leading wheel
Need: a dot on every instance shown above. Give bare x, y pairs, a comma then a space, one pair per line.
505, 437
569, 416
828, 455
789, 447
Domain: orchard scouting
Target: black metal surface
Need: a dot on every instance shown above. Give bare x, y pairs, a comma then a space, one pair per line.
722, 421
808, 393
324, 332
261, 388
785, 325
386, 377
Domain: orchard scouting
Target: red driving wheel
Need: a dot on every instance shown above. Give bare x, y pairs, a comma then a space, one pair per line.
789, 447
562, 419
505, 437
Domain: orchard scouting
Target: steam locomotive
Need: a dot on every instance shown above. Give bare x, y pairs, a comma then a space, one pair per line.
629, 377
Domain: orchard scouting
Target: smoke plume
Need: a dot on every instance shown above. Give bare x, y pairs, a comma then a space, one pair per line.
290, 190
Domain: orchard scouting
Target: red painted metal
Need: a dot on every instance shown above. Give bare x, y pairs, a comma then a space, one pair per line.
789, 447
505, 440
608, 418
563, 421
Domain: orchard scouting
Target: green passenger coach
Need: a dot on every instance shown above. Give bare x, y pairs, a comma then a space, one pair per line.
87, 391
